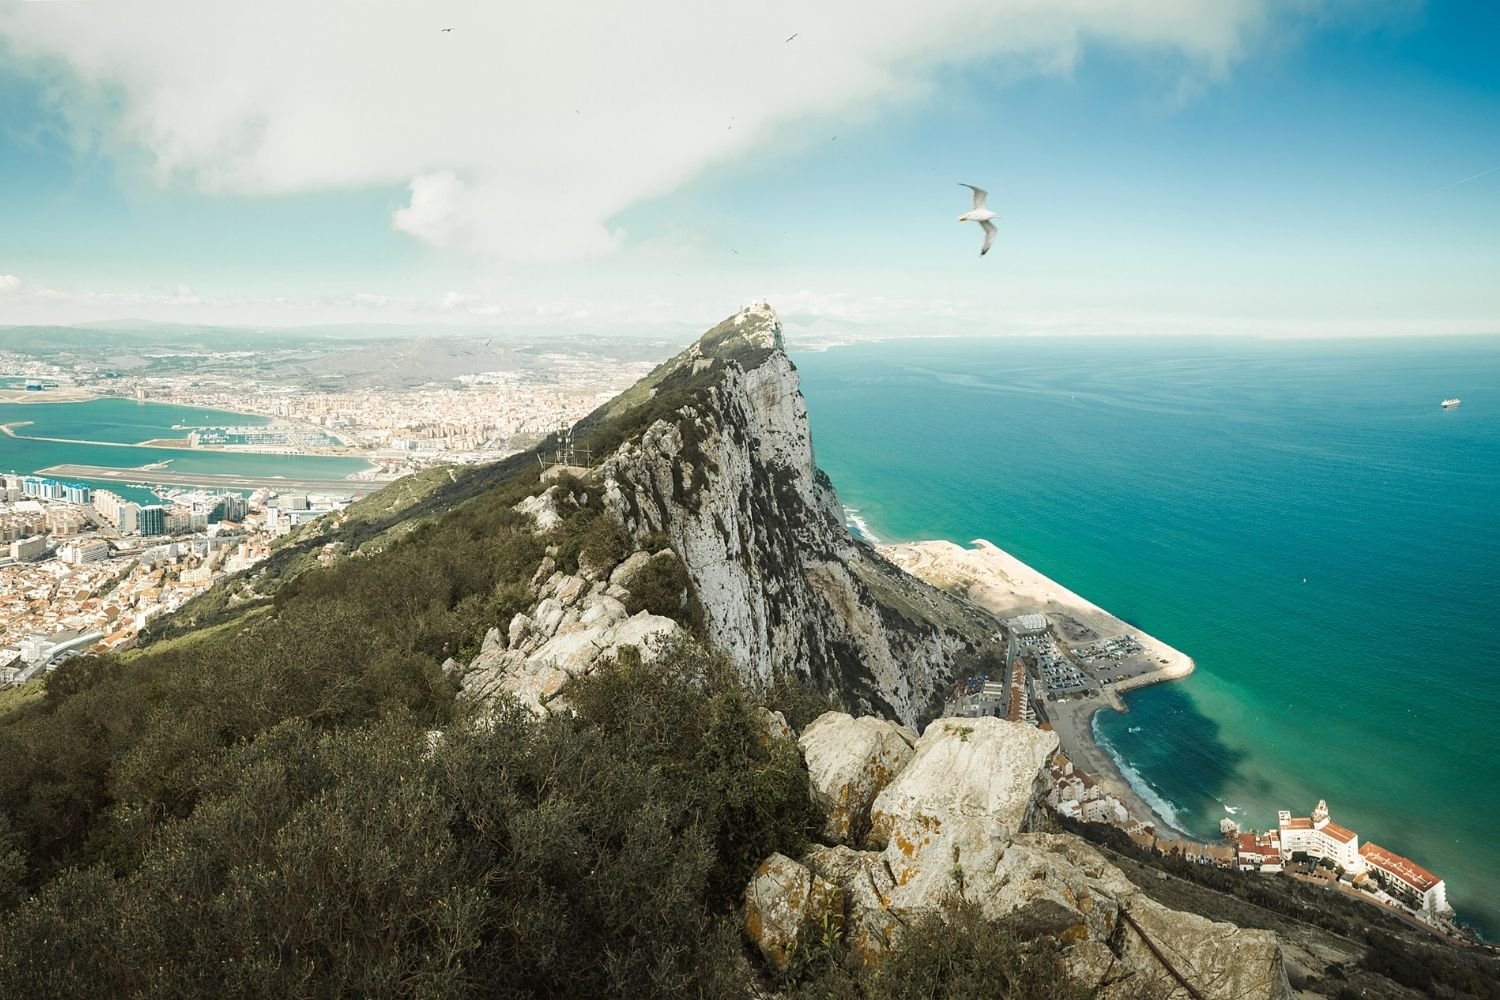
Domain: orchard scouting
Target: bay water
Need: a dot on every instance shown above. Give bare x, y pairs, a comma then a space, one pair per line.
100, 427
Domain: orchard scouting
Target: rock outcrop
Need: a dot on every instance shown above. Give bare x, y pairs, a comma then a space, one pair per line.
576, 624
726, 472
784, 902
982, 776
849, 762
955, 824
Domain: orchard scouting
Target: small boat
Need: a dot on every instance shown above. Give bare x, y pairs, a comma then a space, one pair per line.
1449, 404
1133, 729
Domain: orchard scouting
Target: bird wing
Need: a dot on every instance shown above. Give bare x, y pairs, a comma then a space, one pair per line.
989, 236
979, 194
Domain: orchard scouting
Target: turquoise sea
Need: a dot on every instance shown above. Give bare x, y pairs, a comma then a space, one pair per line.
1301, 517
115, 422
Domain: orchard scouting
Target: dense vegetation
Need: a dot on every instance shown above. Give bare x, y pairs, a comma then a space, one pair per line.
592, 853
953, 956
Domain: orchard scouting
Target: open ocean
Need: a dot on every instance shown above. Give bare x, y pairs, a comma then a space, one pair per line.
1300, 517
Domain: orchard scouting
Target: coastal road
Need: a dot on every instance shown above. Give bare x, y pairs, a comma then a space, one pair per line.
160, 477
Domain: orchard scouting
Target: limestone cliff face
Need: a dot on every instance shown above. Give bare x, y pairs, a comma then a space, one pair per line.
729, 476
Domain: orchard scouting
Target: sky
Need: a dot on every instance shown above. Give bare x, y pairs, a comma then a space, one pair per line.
1271, 167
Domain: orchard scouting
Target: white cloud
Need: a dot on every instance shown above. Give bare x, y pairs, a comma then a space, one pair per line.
27, 293
451, 301
526, 129
456, 302
30, 302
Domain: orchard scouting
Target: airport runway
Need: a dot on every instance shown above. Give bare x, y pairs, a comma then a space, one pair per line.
163, 477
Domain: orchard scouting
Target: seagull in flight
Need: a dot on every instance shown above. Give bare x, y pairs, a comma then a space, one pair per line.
447, 29
794, 35
981, 215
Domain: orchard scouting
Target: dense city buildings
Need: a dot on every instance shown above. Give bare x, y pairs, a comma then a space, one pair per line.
86, 571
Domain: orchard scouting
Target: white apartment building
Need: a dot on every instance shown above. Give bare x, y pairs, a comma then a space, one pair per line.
1406, 879
1320, 837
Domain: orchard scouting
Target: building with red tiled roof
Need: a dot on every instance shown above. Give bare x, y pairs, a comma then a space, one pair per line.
1320, 837
1258, 851
1340, 833
1406, 879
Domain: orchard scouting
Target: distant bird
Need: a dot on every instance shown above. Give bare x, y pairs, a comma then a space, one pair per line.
793, 35
447, 29
487, 343
981, 215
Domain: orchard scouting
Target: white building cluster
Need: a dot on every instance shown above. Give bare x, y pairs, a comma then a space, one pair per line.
31, 506
1075, 795
478, 416
93, 592
1368, 865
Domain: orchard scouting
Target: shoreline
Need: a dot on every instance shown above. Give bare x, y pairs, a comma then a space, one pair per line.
1006, 587
25, 396
1073, 721
177, 444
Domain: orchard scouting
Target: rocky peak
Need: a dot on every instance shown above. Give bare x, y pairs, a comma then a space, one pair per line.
725, 469
750, 334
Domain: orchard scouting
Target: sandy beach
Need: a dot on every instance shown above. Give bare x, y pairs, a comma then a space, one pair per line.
1006, 587
1071, 721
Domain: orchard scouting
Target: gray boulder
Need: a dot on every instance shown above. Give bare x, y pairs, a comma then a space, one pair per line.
849, 762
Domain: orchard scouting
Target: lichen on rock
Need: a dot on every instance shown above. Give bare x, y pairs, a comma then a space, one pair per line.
784, 902
849, 762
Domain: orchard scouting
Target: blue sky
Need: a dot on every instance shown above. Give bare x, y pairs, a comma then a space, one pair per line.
1243, 166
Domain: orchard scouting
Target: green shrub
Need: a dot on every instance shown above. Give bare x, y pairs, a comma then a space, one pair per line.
605, 543
954, 956
797, 698
663, 587
601, 852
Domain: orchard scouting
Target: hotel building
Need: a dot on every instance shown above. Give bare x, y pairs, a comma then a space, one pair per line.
1320, 837
1406, 880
